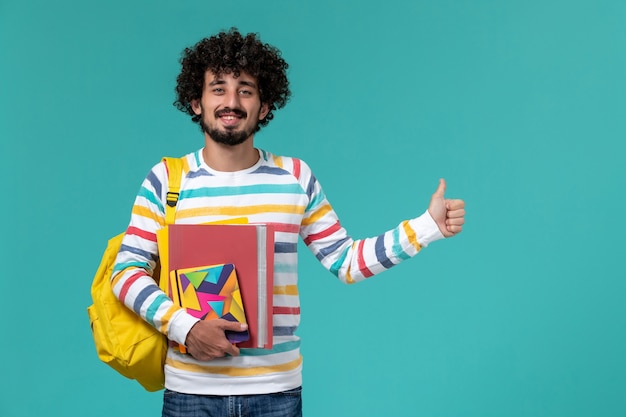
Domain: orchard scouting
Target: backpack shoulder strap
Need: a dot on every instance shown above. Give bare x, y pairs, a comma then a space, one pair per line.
174, 173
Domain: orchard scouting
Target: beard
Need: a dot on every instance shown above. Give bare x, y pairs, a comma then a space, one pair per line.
229, 137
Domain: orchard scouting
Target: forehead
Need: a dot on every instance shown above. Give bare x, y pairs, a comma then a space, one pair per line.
242, 78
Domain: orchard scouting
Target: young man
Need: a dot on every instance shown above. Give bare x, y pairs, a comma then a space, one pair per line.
231, 84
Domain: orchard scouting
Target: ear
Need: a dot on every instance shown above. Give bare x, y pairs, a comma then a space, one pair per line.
265, 108
196, 106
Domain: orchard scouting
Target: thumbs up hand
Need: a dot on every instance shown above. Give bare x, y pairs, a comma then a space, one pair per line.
448, 214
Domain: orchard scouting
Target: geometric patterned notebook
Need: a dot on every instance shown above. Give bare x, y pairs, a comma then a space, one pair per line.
210, 292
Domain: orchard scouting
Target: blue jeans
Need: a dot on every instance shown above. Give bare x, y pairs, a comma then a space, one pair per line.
280, 404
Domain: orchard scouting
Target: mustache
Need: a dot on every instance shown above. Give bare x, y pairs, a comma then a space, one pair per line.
226, 110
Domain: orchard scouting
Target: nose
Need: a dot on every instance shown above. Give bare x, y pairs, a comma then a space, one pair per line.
232, 99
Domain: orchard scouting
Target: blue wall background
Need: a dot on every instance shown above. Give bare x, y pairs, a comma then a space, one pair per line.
520, 105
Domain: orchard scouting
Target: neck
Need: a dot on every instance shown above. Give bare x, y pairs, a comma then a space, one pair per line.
227, 158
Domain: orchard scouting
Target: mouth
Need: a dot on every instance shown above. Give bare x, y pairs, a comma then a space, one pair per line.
230, 117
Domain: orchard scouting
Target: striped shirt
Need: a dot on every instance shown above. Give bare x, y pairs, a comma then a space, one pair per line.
281, 191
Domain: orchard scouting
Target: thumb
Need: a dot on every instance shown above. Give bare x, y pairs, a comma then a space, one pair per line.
441, 189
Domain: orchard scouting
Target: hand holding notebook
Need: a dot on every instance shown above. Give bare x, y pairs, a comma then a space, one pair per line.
206, 340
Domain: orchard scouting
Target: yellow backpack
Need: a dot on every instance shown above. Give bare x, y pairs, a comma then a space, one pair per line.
124, 340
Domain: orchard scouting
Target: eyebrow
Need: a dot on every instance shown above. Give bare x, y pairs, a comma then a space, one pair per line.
219, 81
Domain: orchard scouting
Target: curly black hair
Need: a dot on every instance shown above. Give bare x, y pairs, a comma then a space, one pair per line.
231, 52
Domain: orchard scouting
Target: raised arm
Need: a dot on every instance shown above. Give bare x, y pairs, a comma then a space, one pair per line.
355, 260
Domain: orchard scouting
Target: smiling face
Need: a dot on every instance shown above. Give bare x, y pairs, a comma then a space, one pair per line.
230, 107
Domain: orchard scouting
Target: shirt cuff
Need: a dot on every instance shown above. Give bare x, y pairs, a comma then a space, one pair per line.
425, 229
180, 325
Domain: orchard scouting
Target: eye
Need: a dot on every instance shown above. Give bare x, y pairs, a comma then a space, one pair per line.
218, 90
245, 92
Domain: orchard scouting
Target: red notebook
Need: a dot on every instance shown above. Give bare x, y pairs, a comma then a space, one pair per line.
250, 248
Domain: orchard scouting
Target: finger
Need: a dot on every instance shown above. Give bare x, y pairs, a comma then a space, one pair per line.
441, 189
455, 222
200, 355
233, 351
223, 348
233, 326
227, 348
455, 213
454, 229
455, 204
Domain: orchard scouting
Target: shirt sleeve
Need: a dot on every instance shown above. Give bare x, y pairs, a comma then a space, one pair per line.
355, 260
132, 279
